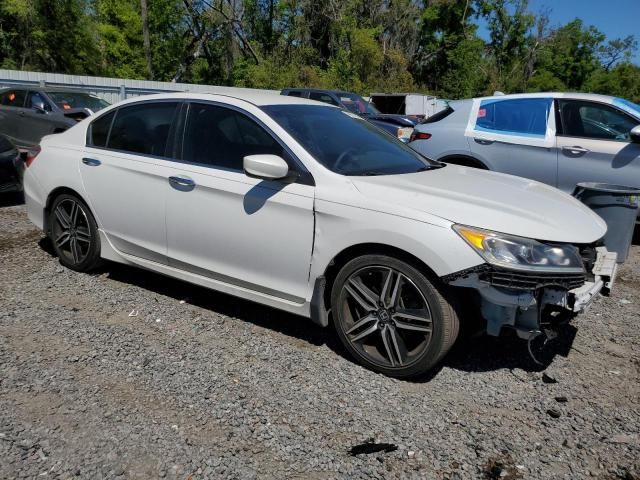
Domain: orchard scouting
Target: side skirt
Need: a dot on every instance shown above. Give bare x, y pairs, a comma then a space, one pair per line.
108, 252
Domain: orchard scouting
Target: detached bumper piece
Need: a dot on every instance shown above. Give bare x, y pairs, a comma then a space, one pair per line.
530, 301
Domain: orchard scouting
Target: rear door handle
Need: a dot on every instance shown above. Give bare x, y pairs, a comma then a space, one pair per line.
92, 162
575, 151
184, 184
483, 141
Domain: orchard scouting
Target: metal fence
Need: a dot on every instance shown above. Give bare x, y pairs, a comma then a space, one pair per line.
110, 89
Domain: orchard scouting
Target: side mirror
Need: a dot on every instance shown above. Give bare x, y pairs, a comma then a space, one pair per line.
266, 166
635, 134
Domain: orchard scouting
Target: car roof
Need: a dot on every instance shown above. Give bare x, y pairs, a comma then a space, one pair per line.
321, 90
259, 98
571, 95
37, 88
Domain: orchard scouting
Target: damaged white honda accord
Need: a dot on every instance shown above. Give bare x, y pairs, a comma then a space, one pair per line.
310, 209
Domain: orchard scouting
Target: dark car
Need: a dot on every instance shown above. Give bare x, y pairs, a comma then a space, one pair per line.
11, 167
28, 113
400, 126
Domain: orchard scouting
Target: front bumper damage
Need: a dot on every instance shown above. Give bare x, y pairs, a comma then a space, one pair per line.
527, 302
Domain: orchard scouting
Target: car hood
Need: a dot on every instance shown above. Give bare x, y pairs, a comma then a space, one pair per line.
489, 200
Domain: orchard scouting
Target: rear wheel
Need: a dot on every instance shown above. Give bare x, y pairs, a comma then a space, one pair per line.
391, 317
74, 233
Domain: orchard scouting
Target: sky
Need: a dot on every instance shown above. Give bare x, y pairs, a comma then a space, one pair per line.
614, 18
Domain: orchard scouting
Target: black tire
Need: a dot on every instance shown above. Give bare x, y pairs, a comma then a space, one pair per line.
75, 240
418, 342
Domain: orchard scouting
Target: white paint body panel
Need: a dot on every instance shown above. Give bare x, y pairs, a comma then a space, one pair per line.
267, 241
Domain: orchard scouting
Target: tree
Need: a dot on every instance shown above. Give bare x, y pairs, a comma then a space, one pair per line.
146, 40
449, 56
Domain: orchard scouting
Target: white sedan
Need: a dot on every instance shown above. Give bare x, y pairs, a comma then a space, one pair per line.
310, 209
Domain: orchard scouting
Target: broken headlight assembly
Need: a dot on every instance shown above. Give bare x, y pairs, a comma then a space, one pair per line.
518, 253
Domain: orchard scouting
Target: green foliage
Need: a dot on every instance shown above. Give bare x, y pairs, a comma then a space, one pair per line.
359, 45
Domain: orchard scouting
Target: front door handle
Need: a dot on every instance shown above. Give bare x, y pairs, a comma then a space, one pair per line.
483, 141
184, 184
91, 162
575, 151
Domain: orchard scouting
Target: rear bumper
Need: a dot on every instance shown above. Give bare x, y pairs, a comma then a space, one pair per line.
529, 310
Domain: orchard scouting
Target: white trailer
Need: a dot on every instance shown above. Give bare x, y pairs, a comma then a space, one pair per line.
410, 104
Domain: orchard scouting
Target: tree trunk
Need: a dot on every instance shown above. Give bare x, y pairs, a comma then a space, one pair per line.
145, 35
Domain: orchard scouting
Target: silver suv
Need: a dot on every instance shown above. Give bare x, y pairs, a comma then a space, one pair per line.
556, 138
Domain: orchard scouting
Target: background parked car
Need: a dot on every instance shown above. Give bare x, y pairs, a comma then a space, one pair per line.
557, 138
400, 126
27, 114
10, 166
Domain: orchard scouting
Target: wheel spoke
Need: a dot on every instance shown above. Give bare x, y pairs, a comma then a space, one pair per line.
62, 239
393, 345
365, 333
83, 235
75, 251
412, 326
384, 292
395, 294
362, 295
63, 218
398, 344
416, 315
73, 216
362, 322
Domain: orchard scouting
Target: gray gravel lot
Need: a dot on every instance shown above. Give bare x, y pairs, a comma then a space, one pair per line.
195, 384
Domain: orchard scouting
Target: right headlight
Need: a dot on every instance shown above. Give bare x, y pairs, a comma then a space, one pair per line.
521, 253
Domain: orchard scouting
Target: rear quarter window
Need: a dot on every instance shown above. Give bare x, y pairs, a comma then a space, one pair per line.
100, 127
441, 115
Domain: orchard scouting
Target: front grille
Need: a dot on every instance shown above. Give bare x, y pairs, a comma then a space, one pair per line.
532, 280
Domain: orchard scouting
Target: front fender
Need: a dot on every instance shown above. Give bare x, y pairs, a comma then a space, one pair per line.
339, 227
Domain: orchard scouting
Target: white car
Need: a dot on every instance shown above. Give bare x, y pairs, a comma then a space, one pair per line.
310, 209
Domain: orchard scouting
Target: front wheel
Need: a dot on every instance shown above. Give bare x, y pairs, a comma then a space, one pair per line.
391, 317
74, 233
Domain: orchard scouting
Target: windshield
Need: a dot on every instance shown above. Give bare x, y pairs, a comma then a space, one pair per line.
69, 100
630, 107
346, 143
357, 104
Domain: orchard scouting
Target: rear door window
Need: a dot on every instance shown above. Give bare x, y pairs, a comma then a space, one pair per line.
520, 117
14, 98
142, 128
595, 120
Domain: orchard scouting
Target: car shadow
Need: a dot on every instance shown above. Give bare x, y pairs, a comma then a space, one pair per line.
471, 353
11, 199
625, 156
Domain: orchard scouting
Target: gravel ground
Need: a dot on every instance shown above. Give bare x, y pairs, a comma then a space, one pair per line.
128, 374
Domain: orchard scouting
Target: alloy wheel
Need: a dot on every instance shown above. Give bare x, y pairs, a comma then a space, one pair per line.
71, 233
387, 318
